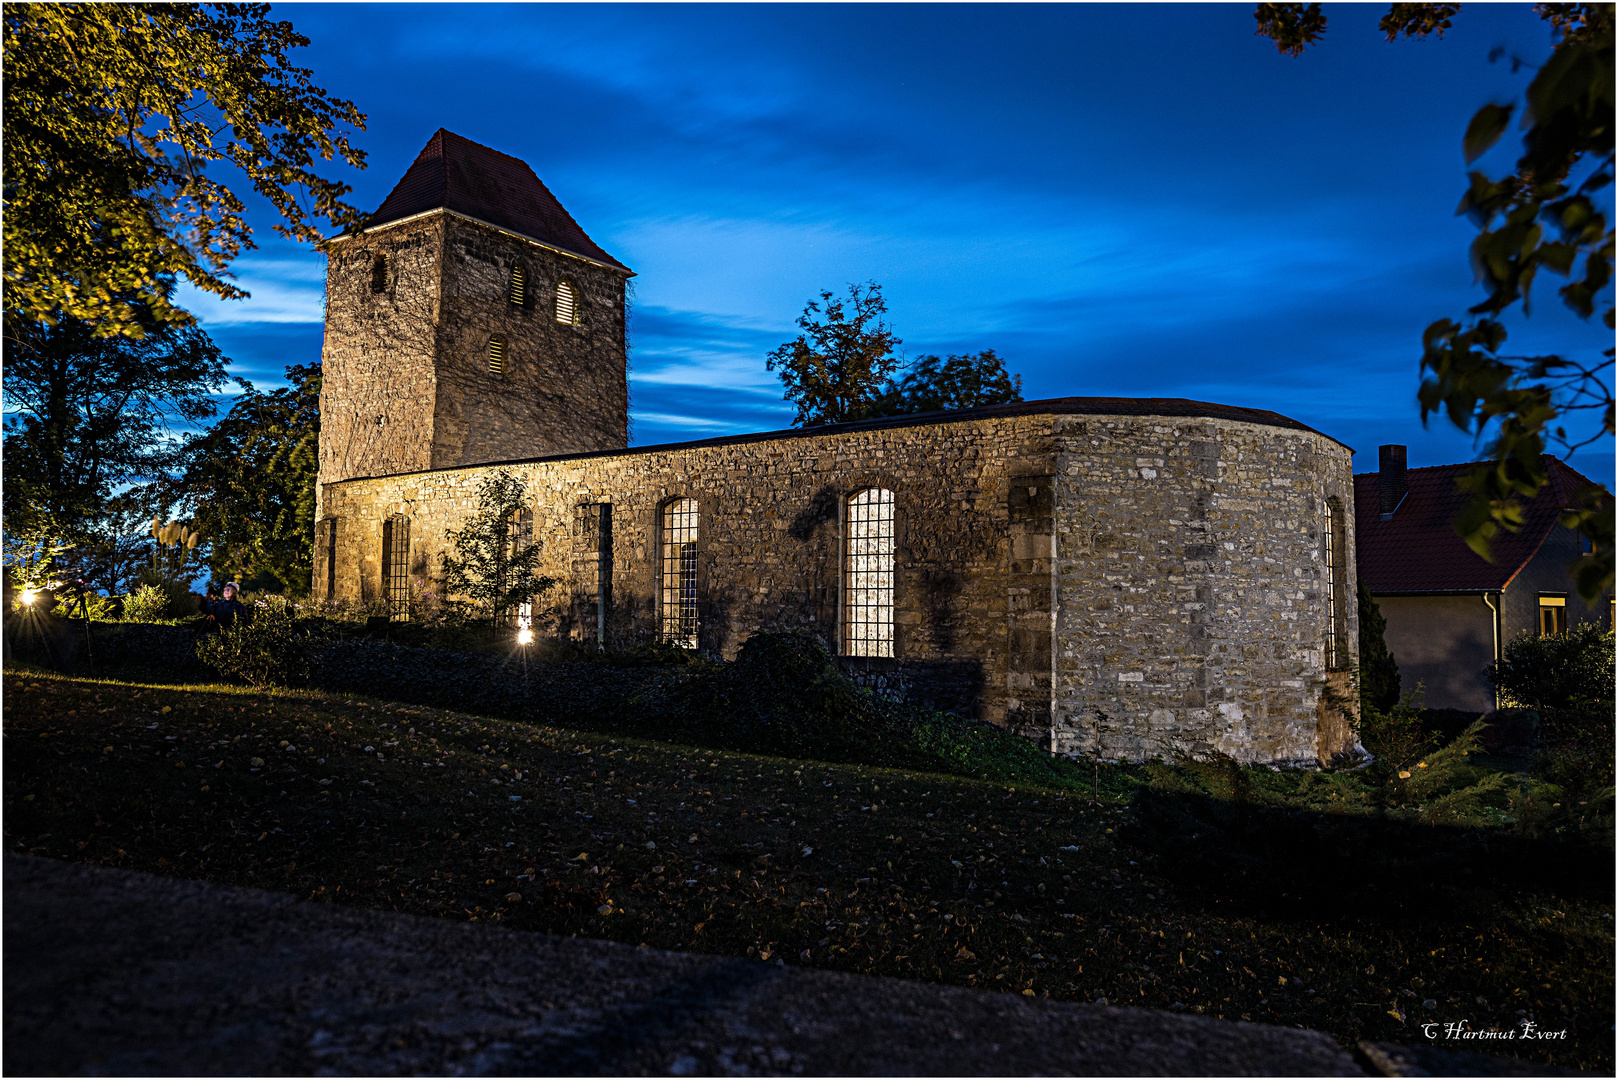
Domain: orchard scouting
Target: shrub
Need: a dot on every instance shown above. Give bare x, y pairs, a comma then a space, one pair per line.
1379, 673
1558, 671
268, 649
146, 604
784, 694
100, 608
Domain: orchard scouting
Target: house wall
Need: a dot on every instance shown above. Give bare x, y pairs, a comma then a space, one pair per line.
1168, 571
1191, 605
1442, 644
1547, 572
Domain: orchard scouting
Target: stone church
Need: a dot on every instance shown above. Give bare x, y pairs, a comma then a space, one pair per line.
1130, 576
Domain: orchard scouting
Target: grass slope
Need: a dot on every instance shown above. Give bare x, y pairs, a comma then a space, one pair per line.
882, 871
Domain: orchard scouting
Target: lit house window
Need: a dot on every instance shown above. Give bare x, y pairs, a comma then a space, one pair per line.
567, 304
396, 566
518, 293
868, 575
1333, 542
497, 355
1552, 615
678, 574
379, 274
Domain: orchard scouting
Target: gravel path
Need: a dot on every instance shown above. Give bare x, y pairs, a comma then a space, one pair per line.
121, 973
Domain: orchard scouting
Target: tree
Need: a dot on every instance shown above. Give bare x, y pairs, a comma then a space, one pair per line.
249, 483
1558, 671
93, 415
496, 561
954, 382
837, 366
1379, 672
113, 113
1547, 220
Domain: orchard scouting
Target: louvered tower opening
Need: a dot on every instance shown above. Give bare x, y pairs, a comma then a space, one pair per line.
567, 308
519, 286
497, 355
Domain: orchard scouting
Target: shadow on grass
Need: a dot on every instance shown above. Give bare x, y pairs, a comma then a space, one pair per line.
1283, 860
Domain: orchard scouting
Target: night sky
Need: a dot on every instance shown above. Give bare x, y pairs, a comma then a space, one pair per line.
1120, 200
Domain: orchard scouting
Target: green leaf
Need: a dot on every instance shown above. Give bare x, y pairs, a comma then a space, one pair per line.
1487, 125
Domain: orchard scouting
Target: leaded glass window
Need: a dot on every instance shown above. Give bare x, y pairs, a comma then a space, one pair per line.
868, 575
396, 566
678, 574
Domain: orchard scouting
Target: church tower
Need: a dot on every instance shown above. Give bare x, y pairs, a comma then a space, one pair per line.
470, 320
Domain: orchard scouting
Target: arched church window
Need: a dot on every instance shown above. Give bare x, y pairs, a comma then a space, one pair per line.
567, 304
497, 355
517, 293
1332, 540
677, 574
379, 273
396, 566
868, 574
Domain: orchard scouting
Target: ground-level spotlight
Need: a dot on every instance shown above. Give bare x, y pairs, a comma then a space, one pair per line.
525, 637
28, 597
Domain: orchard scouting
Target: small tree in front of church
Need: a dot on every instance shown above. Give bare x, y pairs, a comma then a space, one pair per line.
495, 565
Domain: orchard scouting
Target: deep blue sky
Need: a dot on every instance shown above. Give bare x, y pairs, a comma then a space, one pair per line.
1136, 200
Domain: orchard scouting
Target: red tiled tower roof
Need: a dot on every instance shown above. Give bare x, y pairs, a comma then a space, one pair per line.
1417, 550
455, 173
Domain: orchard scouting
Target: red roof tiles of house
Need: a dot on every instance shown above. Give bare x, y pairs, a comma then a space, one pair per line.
1417, 549
455, 173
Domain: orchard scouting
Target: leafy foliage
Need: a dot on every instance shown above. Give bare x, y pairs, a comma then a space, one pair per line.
113, 113
838, 364
1379, 672
954, 382
1544, 216
268, 648
250, 482
149, 603
1559, 671
93, 415
494, 566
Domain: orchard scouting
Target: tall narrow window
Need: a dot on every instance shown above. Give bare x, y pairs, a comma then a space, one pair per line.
518, 293
497, 355
678, 573
379, 274
396, 566
519, 535
1333, 542
567, 304
868, 575
325, 576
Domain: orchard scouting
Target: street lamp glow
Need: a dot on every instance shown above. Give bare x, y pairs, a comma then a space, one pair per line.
525, 637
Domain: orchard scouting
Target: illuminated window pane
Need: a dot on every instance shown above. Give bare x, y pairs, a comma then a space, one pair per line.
868, 575
678, 574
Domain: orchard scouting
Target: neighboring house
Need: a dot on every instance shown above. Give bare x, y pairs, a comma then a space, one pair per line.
1449, 612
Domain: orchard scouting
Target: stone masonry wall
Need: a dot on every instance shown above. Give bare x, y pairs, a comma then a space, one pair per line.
769, 542
564, 389
376, 401
1191, 604
407, 381
1165, 571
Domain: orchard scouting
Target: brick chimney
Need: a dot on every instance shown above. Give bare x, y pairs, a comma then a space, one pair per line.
1391, 479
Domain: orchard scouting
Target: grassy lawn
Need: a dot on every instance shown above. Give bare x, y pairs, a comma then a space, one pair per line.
920, 876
